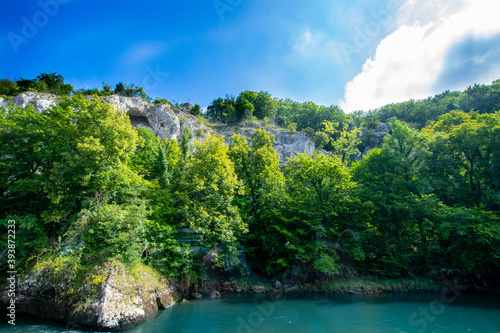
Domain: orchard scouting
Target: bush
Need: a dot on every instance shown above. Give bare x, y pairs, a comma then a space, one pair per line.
195, 110
292, 127
8, 88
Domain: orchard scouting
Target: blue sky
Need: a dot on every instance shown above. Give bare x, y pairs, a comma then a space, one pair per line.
359, 54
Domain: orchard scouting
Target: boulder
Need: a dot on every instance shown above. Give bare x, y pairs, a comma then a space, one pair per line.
197, 295
258, 289
127, 297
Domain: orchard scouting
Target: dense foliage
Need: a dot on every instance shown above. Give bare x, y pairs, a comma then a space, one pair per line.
83, 184
481, 98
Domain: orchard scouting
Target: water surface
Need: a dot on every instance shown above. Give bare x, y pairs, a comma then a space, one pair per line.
316, 313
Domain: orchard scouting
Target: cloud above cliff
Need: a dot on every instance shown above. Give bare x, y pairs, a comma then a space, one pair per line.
438, 45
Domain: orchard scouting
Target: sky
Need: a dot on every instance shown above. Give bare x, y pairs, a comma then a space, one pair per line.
358, 54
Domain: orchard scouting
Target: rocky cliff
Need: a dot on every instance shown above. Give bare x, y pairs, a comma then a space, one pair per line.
286, 144
162, 119
168, 122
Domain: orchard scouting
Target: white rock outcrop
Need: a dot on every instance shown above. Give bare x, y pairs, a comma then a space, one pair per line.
39, 101
286, 144
161, 119
168, 122
122, 301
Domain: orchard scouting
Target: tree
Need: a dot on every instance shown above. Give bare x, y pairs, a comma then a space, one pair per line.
344, 142
262, 200
221, 110
120, 88
243, 109
265, 105
201, 198
321, 208
474, 140
150, 157
390, 180
56, 163
195, 110
8, 88
55, 83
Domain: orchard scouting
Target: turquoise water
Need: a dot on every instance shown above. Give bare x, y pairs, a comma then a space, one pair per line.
316, 313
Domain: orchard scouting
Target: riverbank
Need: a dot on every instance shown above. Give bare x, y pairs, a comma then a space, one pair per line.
368, 285
116, 296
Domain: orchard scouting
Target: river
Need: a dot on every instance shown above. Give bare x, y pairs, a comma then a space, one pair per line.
302, 313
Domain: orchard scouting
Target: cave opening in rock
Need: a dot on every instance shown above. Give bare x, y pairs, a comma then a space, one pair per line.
139, 121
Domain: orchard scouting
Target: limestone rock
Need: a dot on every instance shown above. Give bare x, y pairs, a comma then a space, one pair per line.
121, 302
39, 101
375, 137
168, 122
197, 295
161, 118
286, 144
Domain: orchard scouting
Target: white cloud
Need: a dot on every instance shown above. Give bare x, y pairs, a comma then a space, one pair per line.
408, 62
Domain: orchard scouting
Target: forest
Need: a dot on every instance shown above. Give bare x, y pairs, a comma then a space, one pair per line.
85, 186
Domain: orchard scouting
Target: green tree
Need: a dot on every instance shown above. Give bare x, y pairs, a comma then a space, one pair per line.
221, 109
265, 105
201, 198
55, 83
474, 140
344, 142
321, 208
243, 109
262, 201
150, 158
195, 110
56, 163
8, 88
390, 182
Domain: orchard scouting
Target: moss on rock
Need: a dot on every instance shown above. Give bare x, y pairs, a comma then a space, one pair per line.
108, 297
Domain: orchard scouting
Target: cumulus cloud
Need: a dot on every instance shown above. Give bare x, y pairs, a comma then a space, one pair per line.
414, 60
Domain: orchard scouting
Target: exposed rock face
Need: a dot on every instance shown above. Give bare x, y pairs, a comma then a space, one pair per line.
170, 123
39, 101
286, 144
161, 119
122, 301
375, 137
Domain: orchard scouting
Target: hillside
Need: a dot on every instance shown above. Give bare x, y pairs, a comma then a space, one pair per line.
95, 199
